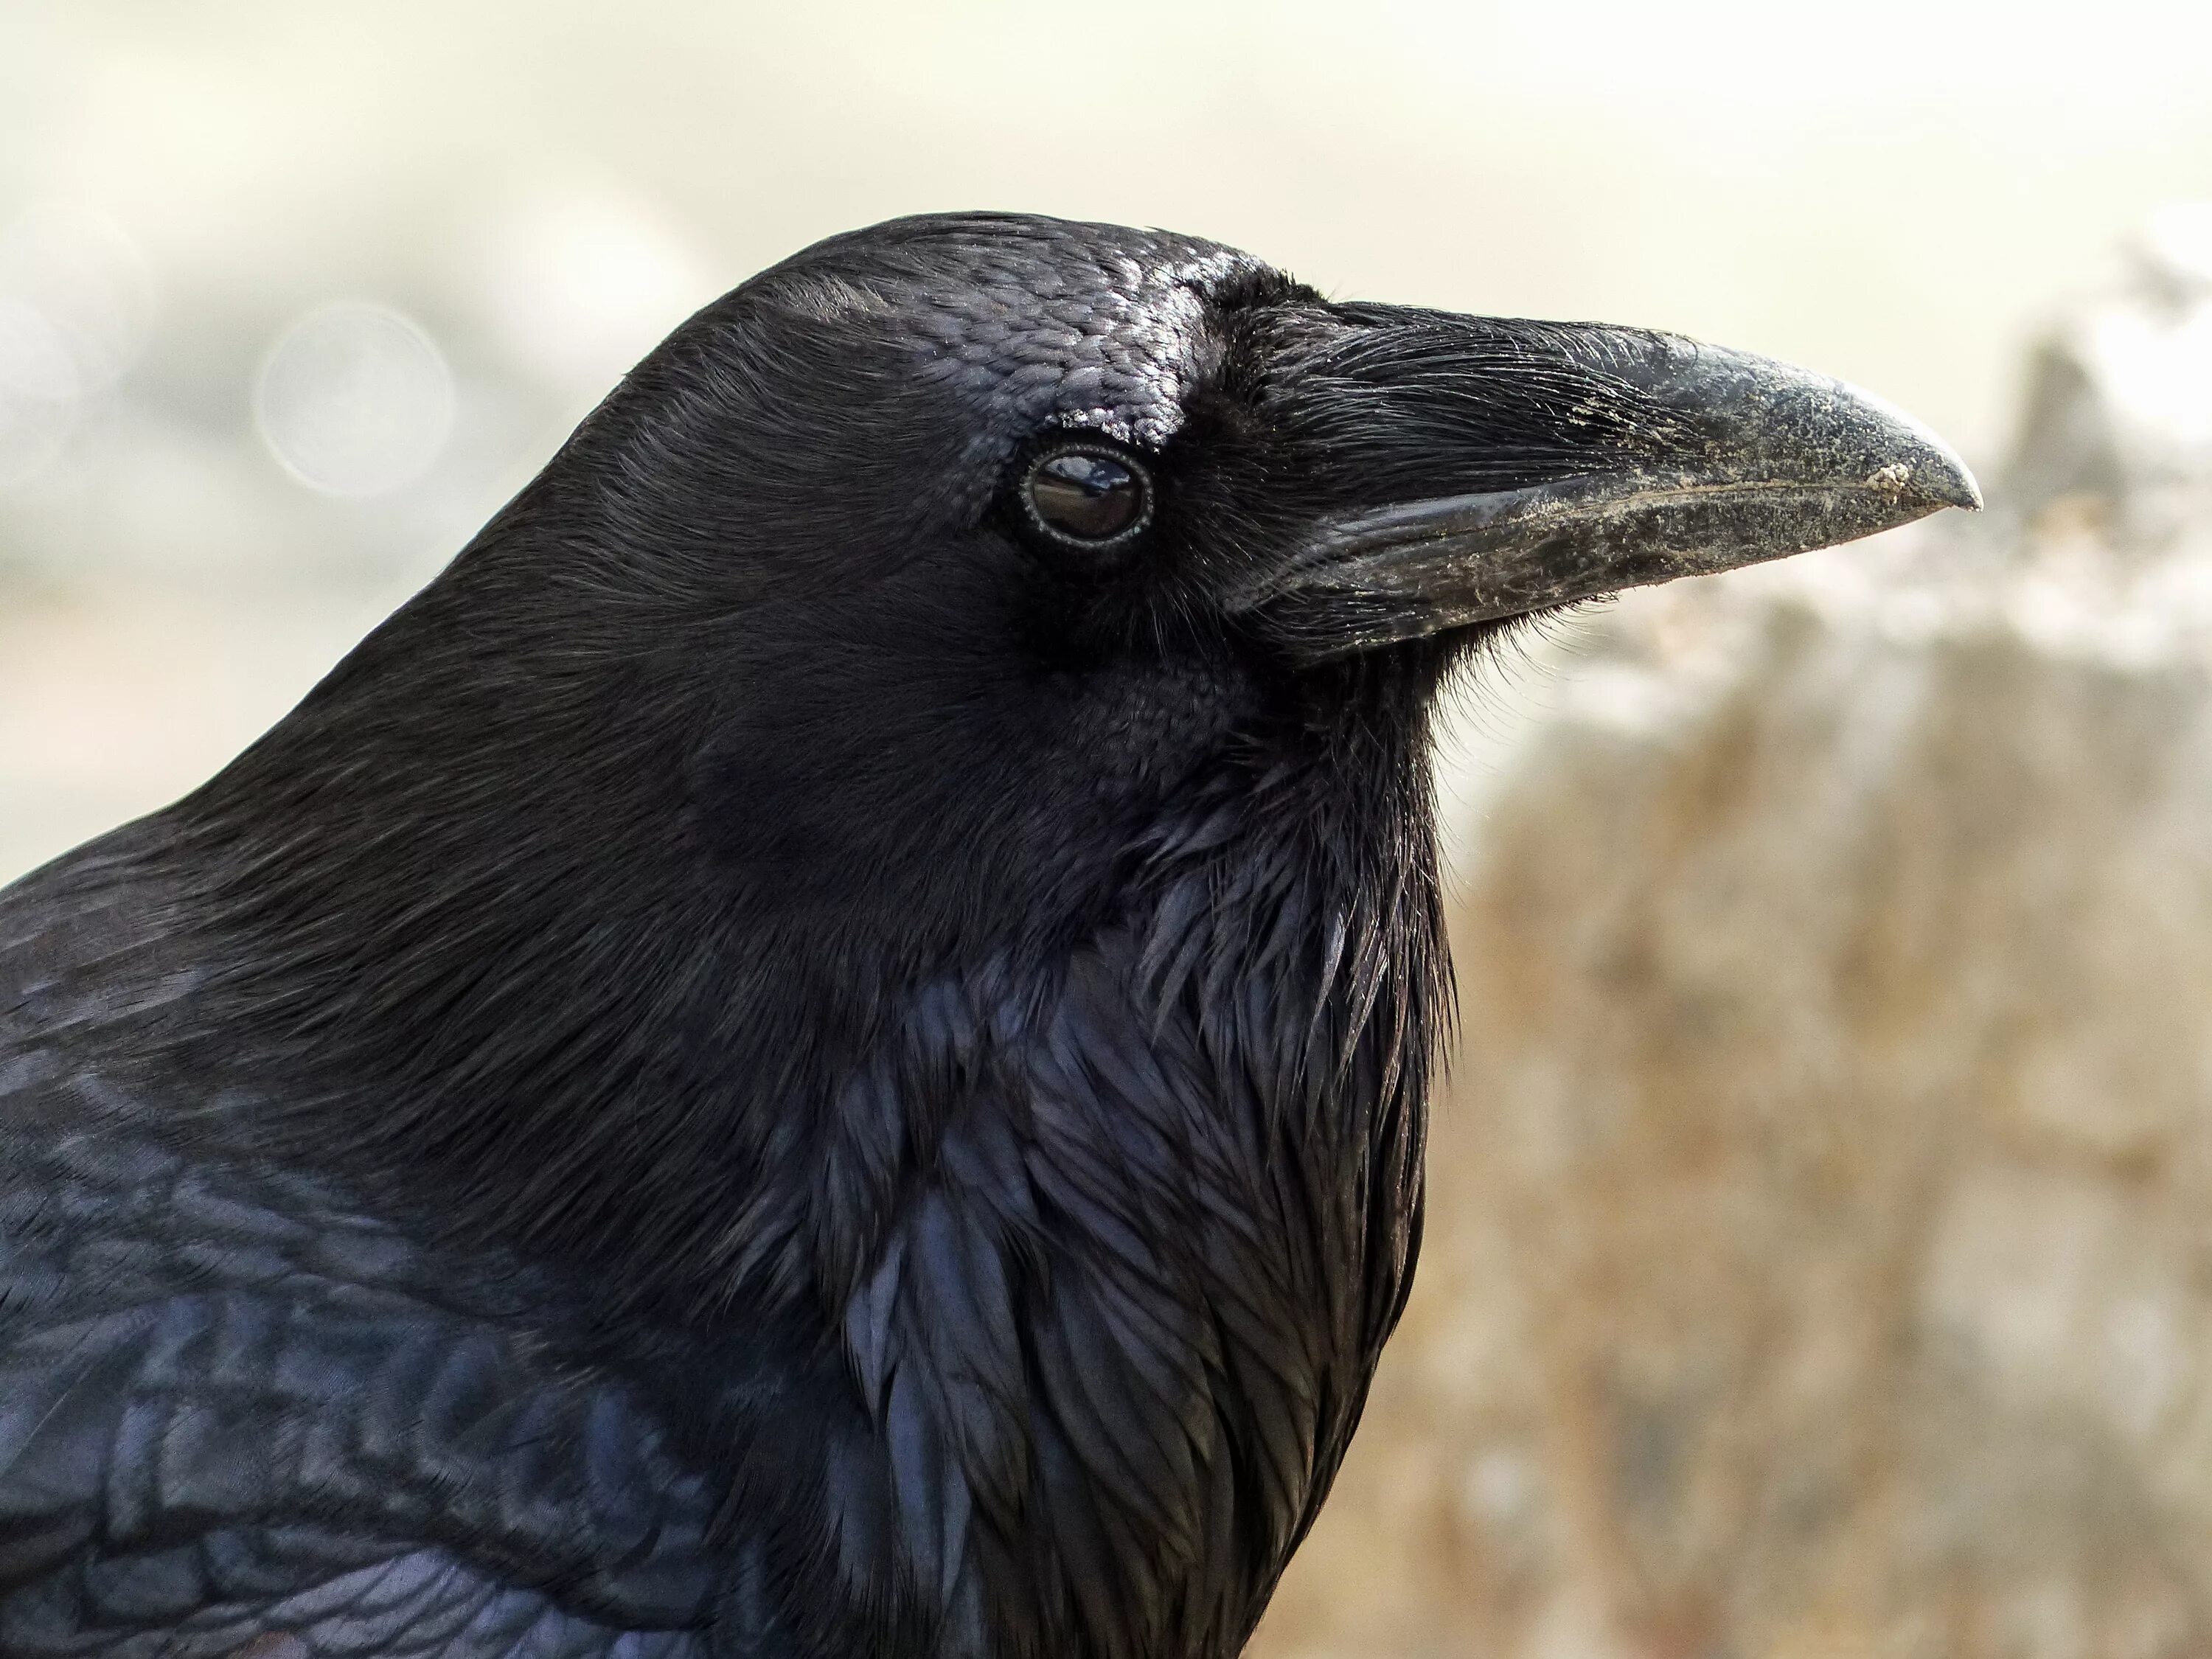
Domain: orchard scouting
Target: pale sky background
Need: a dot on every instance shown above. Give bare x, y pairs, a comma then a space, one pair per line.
1898, 192
1893, 190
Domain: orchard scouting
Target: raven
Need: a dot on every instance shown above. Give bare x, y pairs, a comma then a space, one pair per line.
820, 1048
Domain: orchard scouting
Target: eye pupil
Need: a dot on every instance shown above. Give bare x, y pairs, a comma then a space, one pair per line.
1084, 496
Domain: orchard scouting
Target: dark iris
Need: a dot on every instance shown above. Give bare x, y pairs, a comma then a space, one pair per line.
1084, 496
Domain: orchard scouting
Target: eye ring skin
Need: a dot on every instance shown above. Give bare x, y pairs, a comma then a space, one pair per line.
1121, 537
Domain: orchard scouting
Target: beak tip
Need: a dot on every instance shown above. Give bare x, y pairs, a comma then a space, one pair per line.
1917, 470
1952, 483
1925, 483
1945, 482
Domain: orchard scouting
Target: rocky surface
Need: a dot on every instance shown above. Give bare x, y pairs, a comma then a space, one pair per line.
1820, 1258
2118, 407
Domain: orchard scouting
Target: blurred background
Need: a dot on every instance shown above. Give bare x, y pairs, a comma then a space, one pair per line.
1821, 1252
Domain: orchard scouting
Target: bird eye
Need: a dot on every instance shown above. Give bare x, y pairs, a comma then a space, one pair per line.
1087, 495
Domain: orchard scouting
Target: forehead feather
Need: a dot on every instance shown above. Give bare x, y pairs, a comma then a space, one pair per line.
1043, 323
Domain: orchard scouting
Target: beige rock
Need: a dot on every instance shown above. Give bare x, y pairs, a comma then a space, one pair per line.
2118, 417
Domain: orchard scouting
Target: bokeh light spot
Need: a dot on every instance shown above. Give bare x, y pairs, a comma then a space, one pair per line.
86, 277
39, 389
355, 399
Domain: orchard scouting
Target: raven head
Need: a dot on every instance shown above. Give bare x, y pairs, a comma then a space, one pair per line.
1016, 508
873, 630
1156, 437
902, 604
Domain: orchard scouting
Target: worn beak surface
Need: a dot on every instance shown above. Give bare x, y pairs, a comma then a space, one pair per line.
1655, 457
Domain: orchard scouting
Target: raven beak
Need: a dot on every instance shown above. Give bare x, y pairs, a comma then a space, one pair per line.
1665, 458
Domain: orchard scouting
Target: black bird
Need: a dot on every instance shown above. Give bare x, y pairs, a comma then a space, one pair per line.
820, 1048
